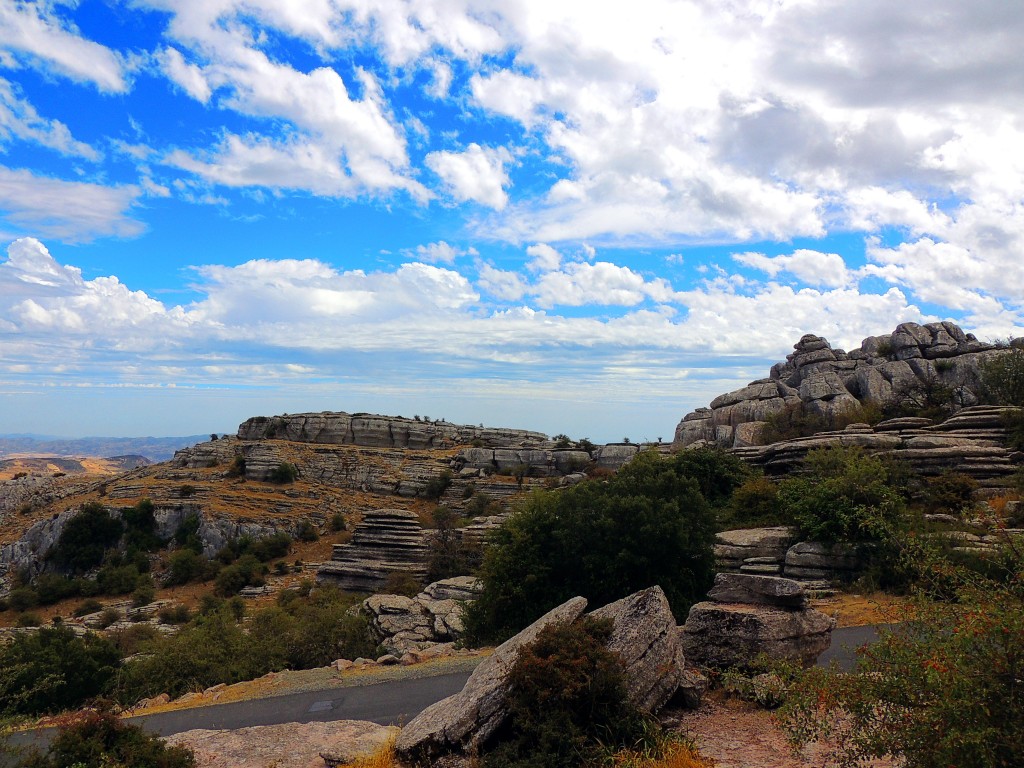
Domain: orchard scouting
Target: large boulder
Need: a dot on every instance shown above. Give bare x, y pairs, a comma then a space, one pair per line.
646, 638
750, 615
470, 717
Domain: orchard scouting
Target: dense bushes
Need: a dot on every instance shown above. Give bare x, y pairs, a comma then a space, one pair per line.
648, 524
52, 669
86, 537
845, 495
1003, 376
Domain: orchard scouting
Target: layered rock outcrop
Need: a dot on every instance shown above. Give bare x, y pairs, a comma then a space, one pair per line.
386, 542
748, 615
829, 381
377, 431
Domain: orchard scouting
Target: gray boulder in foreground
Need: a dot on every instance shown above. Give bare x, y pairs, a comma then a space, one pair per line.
646, 638
470, 717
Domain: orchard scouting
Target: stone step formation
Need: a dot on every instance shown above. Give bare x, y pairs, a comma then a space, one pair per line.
385, 543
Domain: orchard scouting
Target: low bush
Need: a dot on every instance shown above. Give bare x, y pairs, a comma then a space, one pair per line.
174, 614
118, 579
247, 571
337, 523
237, 467
307, 532
86, 607
755, 504
436, 486
185, 565
951, 492
102, 740
284, 473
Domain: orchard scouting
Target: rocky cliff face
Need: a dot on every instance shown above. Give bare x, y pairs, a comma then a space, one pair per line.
829, 381
375, 431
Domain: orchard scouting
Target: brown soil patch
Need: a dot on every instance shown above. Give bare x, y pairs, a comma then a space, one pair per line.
857, 610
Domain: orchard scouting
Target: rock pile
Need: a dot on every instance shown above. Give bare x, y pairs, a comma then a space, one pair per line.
644, 634
404, 624
748, 615
777, 552
829, 381
386, 542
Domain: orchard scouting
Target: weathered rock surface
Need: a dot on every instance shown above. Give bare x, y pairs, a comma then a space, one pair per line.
403, 625
386, 542
472, 716
297, 745
829, 381
646, 638
757, 590
377, 431
720, 634
734, 549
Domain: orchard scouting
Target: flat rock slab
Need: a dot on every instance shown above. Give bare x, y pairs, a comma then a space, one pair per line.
757, 590
297, 745
471, 716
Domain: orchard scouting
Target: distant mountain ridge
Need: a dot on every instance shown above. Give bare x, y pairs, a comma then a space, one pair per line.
155, 449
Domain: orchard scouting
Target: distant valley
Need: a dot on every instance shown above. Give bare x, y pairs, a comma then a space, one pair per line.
155, 449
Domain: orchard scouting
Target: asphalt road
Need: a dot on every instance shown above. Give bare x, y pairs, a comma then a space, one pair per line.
389, 703
393, 702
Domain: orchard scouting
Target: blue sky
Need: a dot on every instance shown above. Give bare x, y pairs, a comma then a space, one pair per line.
573, 217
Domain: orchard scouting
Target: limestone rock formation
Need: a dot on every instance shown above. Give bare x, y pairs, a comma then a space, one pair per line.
386, 542
371, 430
403, 624
829, 381
472, 716
644, 635
757, 550
725, 634
646, 638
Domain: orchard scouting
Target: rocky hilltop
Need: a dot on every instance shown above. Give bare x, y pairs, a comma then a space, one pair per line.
828, 382
375, 431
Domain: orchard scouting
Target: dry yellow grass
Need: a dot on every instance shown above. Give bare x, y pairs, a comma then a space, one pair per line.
855, 610
678, 755
384, 757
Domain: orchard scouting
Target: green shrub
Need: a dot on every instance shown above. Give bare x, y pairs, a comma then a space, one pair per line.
237, 468
307, 532
566, 702
187, 491
29, 619
755, 504
109, 616
942, 688
269, 547
718, 473
52, 588
401, 584
86, 537
187, 534
284, 473
845, 495
1002, 377
52, 669
647, 524
174, 614
22, 598
436, 486
184, 566
337, 523
101, 740
118, 580
140, 527
448, 555
247, 571
144, 592
88, 606
950, 492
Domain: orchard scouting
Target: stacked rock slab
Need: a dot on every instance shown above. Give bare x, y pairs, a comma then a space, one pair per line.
754, 550
386, 542
748, 615
829, 381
